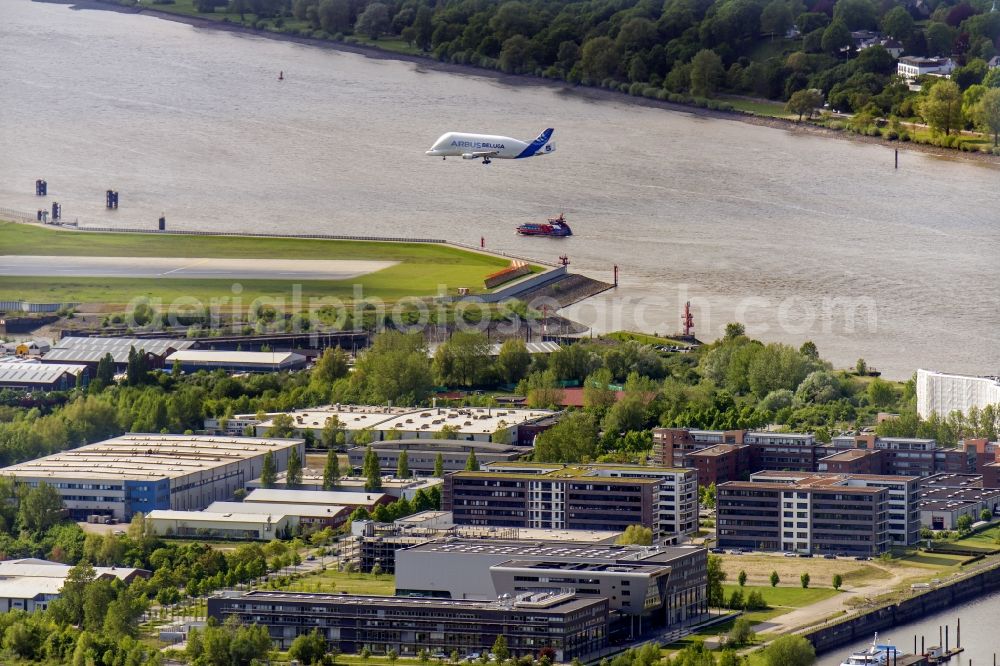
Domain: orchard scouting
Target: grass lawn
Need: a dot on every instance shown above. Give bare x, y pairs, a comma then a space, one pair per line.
645, 338
820, 570
759, 107
786, 597
349, 583
421, 267
986, 539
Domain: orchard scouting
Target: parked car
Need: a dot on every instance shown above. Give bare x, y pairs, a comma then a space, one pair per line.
718, 551
789, 554
829, 556
805, 554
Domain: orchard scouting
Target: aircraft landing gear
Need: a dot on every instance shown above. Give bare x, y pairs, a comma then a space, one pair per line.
487, 160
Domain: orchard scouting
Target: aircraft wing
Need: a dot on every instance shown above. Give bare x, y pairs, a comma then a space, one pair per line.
479, 154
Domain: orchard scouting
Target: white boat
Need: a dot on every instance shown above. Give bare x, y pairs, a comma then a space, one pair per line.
878, 654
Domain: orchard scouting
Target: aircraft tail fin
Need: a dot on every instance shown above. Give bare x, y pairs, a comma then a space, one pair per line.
537, 144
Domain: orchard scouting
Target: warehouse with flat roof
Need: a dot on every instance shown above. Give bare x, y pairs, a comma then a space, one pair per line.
330, 498
90, 351
193, 360
34, 376
142, 472
466, 423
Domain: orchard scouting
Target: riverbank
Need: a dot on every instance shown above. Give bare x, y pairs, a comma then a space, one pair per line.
592, 93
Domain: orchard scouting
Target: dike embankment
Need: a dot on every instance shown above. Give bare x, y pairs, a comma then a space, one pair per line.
861, 627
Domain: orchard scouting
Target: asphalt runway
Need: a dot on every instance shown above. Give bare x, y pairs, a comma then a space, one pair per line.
187, 268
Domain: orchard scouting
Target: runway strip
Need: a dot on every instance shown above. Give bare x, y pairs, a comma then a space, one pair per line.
188, 268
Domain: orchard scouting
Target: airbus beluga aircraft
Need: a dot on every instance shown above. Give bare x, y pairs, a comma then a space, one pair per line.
488, 146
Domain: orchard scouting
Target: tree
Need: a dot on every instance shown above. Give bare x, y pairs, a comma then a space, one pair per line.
636, 534
736, 599
268, 473
942, 107
331, 472
716, 576
403, 466
500, 650
334, 16
599, 59
308, 648
513, 361
39, 508
282, 427
371, 470
836, 37
517, 55
789, 650
838, 580
293, 477
332, 435
776, 18
804, 102
985, 515
741, 634
573, 439
423, 27
105, 375
804, 579
464, 360
439, 466
330, 367
374, 21
986, 113
774, 579
471, 463
394, 369
898, 24
734, 330
707, 73
742, 578
964, 523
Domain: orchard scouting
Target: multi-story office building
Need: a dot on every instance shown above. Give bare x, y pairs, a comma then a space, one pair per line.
912, 456
421, 454
671, 445
822, 514
140, 473
904, 496
570, 625
588, 497
374, 543
720, 463
646, 586
795, 452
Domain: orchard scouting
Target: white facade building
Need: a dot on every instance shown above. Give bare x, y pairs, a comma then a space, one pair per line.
913, 67
940, 393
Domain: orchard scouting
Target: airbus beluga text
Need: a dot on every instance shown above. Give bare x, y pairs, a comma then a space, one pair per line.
488, 146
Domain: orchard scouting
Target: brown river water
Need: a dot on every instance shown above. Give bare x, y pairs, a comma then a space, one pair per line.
801, 237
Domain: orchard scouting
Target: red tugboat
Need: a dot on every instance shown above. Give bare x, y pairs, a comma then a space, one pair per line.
556, 226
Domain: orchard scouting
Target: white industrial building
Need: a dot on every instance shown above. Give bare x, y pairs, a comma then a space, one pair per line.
258, 526
327, 498
193, 360
942, 393
312, 479
465, 423
138, 473
30, 584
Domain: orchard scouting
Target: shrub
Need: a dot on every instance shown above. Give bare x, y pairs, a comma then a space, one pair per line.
836, 125
635, 89
650, 92
892, 135
905, 137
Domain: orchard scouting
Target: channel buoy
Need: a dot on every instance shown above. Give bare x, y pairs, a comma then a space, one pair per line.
281, 75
